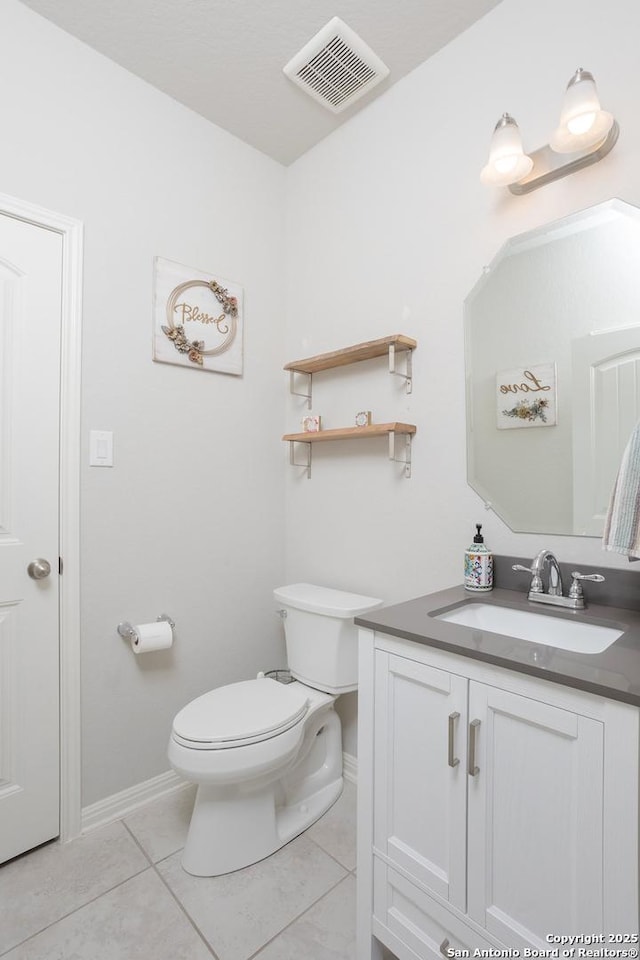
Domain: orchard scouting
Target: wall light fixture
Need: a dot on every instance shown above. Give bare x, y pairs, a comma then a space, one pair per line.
585, 134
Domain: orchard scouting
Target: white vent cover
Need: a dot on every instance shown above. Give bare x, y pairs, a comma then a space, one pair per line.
336, 67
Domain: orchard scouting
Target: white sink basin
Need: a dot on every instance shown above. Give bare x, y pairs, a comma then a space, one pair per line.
577, 636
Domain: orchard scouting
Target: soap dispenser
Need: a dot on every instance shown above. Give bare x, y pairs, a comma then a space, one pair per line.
478, 565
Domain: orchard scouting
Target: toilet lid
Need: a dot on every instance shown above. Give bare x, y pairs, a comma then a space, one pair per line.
241, 713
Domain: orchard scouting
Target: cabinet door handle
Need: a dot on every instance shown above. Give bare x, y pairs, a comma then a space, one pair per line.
444, 946
453, 761
472, 769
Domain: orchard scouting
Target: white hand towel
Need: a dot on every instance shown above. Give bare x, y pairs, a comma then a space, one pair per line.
622, 526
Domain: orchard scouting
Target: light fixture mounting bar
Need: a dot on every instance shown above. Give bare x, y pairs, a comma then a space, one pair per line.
549, 166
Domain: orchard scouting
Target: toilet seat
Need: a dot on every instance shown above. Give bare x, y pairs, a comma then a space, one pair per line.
239, 714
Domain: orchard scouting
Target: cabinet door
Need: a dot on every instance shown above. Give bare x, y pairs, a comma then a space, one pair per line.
535, 819
420, 773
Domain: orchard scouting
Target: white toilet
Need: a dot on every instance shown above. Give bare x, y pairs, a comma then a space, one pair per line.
267, 756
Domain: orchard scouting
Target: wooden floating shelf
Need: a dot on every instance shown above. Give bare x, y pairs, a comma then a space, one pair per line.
385, 346
353, 354
351, 433
390, 430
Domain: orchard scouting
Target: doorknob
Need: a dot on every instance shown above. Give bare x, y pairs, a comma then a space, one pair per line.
39, 569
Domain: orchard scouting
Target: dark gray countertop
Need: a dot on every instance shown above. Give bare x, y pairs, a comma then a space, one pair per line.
615, 673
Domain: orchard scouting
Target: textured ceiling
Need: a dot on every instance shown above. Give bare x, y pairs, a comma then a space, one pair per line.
224, 58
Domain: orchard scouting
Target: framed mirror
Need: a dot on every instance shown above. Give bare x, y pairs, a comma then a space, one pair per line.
552, 349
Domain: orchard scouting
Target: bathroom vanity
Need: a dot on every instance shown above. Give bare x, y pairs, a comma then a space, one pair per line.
498, 782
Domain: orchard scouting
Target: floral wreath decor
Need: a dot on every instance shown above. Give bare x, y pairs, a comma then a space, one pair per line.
529, 410
195, 349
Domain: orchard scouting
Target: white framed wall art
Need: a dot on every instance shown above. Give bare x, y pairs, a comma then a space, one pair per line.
526, 397
197, 319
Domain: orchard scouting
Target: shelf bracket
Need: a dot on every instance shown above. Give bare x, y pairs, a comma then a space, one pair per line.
407, 376
292, 457
407, 446
297, 393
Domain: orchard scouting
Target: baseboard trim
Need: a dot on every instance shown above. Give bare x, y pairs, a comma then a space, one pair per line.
350, 767
119, 805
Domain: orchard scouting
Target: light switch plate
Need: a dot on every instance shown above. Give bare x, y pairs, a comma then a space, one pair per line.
100, 448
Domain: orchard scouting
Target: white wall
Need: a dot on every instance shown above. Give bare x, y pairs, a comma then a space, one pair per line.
189, 520
388, 229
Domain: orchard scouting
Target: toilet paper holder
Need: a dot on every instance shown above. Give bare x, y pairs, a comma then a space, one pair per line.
126, 630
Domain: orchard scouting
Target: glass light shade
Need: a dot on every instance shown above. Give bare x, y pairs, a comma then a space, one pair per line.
507, 161
582, 123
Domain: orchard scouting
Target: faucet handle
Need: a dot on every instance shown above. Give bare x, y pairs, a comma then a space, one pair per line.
575, 590
536, 580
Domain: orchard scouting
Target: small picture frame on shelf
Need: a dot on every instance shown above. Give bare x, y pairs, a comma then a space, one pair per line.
363, 418
311, 424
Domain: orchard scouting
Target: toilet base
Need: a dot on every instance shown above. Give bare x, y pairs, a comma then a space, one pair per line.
253, 799
234, 825
230, 832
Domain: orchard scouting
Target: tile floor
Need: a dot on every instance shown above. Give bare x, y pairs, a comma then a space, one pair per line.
119, 893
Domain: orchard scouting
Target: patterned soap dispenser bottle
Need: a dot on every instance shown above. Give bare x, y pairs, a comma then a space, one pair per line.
478, 565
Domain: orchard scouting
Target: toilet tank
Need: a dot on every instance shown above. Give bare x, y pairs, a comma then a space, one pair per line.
321, 637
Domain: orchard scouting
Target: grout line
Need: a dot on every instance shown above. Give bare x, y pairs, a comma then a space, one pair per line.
137, 843
166, 885
189, 918
299, 917
181, 906
65, 916
331, 856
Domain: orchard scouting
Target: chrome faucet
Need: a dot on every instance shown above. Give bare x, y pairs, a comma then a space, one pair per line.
554, 588
554, 595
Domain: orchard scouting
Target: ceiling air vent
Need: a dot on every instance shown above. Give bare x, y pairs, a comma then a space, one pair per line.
336, 67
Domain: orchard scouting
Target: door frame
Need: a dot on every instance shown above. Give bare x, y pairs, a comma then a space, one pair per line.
71, 231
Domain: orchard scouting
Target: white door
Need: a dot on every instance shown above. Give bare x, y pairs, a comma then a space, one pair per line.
30, 311
420, 773
606, 390
535, 819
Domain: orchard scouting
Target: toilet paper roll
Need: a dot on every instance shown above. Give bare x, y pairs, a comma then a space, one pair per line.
151, 636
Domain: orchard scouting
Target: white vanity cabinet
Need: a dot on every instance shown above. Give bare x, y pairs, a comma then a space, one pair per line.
490, 806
